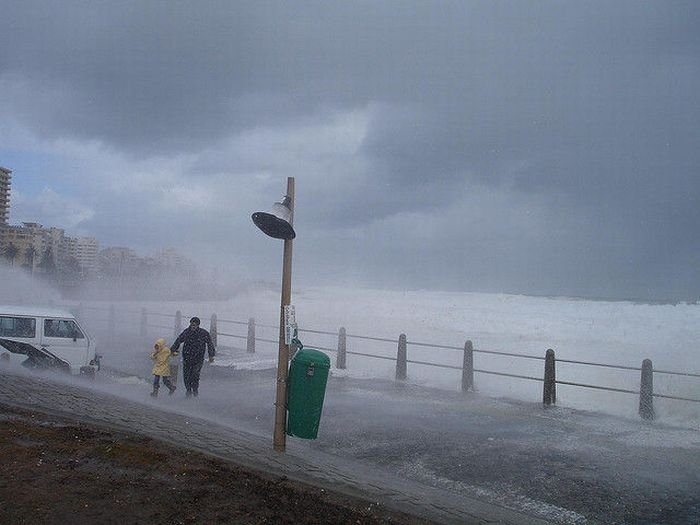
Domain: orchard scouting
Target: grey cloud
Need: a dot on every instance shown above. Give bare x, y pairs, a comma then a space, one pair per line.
586, 110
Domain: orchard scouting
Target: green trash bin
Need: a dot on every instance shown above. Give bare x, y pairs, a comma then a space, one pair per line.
308, 374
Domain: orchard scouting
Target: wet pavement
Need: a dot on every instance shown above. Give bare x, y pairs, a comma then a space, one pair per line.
446, 456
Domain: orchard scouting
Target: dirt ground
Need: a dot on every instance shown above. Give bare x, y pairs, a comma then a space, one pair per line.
56, 471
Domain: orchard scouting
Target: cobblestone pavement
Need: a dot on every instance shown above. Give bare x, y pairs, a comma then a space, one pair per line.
441, 455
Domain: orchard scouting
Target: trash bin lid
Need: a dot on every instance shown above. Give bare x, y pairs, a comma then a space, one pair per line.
308, 356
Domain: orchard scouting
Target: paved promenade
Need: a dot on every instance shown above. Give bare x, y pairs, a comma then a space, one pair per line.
45, 394
445, 456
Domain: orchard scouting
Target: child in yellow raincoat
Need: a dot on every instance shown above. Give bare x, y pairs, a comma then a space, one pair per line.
161, 368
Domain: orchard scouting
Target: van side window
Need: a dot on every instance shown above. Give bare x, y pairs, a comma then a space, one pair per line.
62, 328
17, 327
51, 328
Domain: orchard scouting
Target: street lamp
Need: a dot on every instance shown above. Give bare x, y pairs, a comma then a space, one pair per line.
278, 224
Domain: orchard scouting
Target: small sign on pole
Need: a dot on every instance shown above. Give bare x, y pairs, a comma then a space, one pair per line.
290, 323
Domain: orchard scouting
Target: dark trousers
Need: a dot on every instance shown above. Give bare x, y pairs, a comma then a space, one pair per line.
166, 382
190, 374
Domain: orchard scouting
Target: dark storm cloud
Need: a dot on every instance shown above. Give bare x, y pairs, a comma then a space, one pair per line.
586, 110
139, 76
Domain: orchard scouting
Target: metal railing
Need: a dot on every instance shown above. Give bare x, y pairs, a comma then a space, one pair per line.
468, 370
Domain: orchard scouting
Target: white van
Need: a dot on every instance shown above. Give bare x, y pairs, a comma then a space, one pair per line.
46, 337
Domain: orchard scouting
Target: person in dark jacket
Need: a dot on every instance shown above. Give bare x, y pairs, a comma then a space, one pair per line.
194, 340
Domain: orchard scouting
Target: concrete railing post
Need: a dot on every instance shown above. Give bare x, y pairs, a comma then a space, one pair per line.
250, 341
549, 396
340, 362
401, 358
213, 331
468, 367
646, 391
144, 323
178, 323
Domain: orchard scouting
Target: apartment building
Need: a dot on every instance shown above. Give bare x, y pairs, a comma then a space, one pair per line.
26, 246
85, 251
170, 258
32, 243
5, 181
117, 261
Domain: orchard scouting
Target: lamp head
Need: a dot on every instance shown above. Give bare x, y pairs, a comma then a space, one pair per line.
277, 222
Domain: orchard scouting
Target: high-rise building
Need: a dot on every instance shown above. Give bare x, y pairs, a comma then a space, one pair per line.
5, 179
85, 251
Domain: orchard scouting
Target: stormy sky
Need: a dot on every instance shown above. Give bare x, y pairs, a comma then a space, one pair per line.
538, 147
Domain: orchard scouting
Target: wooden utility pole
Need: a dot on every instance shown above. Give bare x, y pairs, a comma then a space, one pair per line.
280, 434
